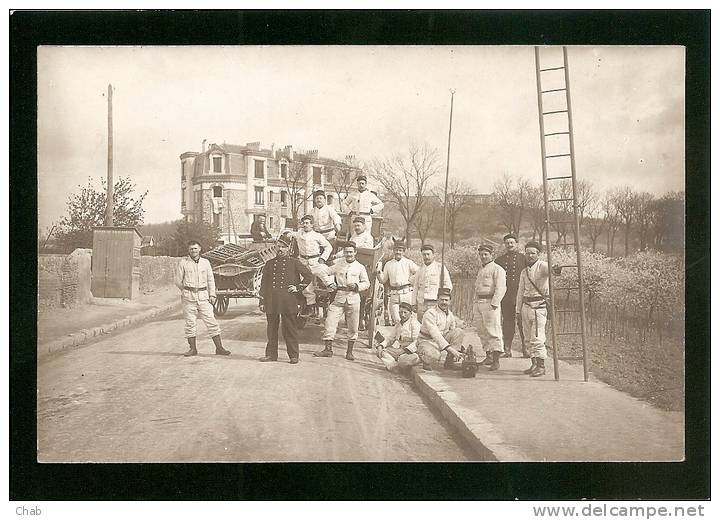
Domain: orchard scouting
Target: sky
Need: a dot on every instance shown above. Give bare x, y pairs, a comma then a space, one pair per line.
367, 101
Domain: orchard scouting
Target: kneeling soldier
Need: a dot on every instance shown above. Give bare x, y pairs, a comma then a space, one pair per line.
351, 278
489, 292
400, 350
440, 333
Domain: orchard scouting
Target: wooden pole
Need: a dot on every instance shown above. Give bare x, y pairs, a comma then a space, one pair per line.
109, 205
447, 174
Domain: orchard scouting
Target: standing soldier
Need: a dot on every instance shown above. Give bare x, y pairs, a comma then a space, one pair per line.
513, 262
427, 281
278, 300
361, 236
440, 332
194, 278
363, 202
314, 250
397, 273
326, 220
489, 292
531, 306
351, 278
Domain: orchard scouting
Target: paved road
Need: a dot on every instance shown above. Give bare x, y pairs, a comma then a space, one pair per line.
132, 397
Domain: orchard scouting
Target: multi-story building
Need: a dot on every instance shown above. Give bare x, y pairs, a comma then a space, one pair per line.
228, 185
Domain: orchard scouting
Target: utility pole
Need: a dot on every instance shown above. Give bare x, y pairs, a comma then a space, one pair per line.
447, 174
109, 206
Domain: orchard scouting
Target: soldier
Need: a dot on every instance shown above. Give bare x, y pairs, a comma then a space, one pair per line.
427, 281
314, 250
440, 332
258, 230
513, 262
360, 235
278, 299
326, 220
194, 278
351, 278
397, 273
531, 306
399, 349
363, 202
489, 292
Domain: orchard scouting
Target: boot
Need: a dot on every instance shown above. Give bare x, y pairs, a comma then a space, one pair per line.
219, 350
193, 348
349, 355
530, 370
539, 368
495, 360
327, 351
449, 361
506, 354
488, 359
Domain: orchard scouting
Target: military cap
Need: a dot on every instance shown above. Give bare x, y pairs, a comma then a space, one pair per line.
359, 219
427, 247
350, 243
510, 235
361, 177
318, 192
534, 244
406, 306
307, 217
399, 243
285, 239
444, 291
485, 247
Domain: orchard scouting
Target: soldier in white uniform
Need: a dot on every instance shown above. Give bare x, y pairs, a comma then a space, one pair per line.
314, 250
427, 281
397, 273
326, 220
399, 350
194, 278
489, 292
351, 278
361, 236
440, 332
363, 202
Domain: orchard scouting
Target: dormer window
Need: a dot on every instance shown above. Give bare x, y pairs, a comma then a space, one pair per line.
217, 164
259, 169
283, 170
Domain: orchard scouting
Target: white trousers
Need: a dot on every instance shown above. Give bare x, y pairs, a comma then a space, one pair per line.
430, 351
394, 300
335, 311
533, 323
320, 271
397, 359
488, 323
191, 310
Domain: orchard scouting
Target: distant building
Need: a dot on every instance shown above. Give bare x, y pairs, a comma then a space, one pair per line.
229, 184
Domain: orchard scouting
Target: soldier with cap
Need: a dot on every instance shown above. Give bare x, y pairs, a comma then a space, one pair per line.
440, 332
258, 230
399, 349
363, 202
513, 262
397, 272
427, 281
489, 292
351, 278
279, 289
194, 278
313, 250
361, 236
326, 220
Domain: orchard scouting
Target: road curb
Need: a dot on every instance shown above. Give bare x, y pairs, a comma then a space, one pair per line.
82, 336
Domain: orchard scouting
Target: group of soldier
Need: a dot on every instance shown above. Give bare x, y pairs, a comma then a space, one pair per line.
510, 289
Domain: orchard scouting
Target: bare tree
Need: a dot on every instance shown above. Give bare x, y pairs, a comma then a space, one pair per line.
645, 216
342, 177
459, 196
594, 223
668, 224
611, 220
510, 195
427, 217
536, 212
405, 179
297, 184
626, 203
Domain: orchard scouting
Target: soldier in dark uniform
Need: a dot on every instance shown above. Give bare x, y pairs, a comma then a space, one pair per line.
513, 262
258, 230
279, 295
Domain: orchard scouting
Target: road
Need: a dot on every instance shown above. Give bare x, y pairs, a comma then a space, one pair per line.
132, 397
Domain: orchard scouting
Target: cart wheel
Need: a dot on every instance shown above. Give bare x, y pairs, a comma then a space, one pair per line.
300, 321
257, 280
221, 305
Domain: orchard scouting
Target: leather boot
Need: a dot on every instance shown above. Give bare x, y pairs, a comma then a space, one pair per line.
449, 361
539, 368
193, 348
327, 351
533, 362
219, 350
495, 360
349, 355
488, 359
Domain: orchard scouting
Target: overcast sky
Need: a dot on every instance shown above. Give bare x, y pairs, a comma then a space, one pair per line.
628, 111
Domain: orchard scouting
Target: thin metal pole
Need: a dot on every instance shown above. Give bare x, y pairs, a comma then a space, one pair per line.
576, 228
109, 205
447, 175
551, 313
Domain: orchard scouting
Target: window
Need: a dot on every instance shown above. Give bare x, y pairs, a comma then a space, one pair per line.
283, 198
217, 191
317, 175
259, 196
271, 221
270, 196
259, 169
283, 170
217, 164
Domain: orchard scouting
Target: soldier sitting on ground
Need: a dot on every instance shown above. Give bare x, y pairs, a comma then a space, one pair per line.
399, 350
440, 332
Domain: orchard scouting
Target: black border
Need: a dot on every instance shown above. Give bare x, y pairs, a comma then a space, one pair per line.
32, 481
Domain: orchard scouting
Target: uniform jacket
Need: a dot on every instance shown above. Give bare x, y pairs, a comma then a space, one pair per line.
436, 324
259, 232
491, 280
398, 272
189, 273
427, 282
363, 240
539, 274
311, 243
325, 219
406, 334
513, 263
363, 202
278, 274
345, 274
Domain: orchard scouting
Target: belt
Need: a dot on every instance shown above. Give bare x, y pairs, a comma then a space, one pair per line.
194, 289
425, 300
484, 296
398, 287
346, 289
366, 213
306, 257
326, 230
530, 299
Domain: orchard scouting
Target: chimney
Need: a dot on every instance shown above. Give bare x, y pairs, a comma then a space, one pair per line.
254, 146
289, 152
313, 154
203, 145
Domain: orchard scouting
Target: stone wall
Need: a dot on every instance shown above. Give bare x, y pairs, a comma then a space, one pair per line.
156, 271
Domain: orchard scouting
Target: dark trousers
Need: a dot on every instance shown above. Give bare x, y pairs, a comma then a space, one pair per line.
507, 307
289, 330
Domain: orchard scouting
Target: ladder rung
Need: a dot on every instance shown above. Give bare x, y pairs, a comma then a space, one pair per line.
561, 222
552, 90
555, 112
556, 133
573, 333
560, 200
568, 265
552, 68
561, 177
570, 358
558, 155
567, 310
564, 245
567, 288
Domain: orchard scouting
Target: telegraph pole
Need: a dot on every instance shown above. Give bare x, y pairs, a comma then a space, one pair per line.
109, 206
447, 174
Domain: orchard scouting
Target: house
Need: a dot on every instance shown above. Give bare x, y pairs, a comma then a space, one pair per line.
228, 185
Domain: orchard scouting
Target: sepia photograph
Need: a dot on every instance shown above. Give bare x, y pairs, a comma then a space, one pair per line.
324, 253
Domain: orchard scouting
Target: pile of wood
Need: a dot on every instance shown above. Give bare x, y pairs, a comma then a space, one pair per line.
241, 256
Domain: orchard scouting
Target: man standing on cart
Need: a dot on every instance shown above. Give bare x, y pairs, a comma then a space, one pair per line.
363, 202
361, 235
314, 250
397, 273
326, 220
